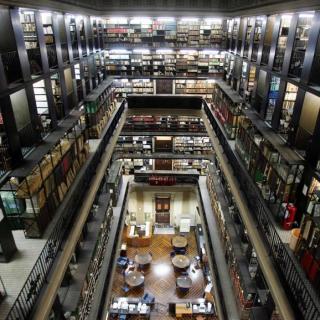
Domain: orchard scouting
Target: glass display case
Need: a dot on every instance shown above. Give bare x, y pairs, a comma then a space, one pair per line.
275, 168
227, 107
32, 194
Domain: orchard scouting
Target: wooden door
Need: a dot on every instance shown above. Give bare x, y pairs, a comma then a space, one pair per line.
163, 217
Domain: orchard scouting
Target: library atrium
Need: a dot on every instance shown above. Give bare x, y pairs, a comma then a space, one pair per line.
160, 159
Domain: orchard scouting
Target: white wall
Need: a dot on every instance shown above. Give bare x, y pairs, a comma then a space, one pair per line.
183, 204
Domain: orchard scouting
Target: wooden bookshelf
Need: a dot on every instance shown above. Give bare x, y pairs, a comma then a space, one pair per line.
275, 168
166, 32
164, 62
192, 145
244, 285
99, 107
227, 107
33, 194
123, 87
189, 86
164, 123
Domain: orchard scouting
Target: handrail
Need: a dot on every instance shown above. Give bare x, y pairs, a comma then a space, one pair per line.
305, 301
29, 294
103, 153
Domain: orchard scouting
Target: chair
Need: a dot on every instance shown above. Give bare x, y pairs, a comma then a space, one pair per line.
125, 288
122, 262
148, 298
180, 250
172, 254
184, 273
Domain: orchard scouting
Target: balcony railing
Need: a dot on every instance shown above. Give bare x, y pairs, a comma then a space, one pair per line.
31, 290
303, 297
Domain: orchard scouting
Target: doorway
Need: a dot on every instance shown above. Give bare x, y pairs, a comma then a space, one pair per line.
162, 209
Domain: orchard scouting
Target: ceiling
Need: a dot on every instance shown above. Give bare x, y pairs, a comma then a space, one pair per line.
176, 7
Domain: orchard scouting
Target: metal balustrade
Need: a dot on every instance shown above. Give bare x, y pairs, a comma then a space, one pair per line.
31, 289
304, 298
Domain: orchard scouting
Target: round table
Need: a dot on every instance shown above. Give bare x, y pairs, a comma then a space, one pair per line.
179, 242
143, 259
134, 279
180, 261
184, 282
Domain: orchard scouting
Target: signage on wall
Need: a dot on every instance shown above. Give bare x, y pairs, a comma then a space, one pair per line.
162, 180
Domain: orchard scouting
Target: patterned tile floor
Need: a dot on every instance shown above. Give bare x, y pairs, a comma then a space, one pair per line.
160, 277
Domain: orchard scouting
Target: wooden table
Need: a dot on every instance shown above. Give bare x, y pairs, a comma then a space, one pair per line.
184, 282
179, 242
181, 261
134, 279
143, 258
182, 308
